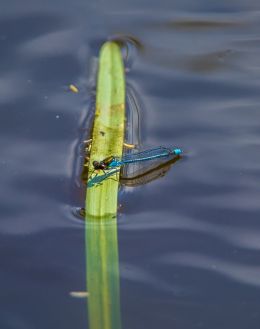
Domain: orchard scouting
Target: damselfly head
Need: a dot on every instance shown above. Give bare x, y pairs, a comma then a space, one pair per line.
99, 165
95, 164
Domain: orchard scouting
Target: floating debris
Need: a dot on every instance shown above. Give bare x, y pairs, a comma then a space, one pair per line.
73, 88
79, 294
129, 146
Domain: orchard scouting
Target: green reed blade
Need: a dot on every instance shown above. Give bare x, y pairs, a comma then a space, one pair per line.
101, 200
108, 131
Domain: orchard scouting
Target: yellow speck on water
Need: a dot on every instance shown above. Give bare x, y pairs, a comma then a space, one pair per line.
73, 88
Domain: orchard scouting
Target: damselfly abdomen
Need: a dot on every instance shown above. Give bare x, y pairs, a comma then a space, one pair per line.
134, 157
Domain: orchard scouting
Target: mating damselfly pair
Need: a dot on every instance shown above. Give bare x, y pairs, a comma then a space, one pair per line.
113, 163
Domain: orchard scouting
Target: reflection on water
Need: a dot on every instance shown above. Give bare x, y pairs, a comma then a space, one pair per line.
140, 177
201, 24
102, 273
238, 272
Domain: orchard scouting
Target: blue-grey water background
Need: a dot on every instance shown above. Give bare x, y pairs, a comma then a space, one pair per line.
189, 243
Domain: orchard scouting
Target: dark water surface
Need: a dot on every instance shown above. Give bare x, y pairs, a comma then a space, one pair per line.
189, 243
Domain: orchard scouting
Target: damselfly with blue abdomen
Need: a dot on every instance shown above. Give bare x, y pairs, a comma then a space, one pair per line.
148, 155
112, 164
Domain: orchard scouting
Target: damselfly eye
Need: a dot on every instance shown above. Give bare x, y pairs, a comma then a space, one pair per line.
95, 164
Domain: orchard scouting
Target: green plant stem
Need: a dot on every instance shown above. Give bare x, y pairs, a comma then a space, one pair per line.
101, 200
